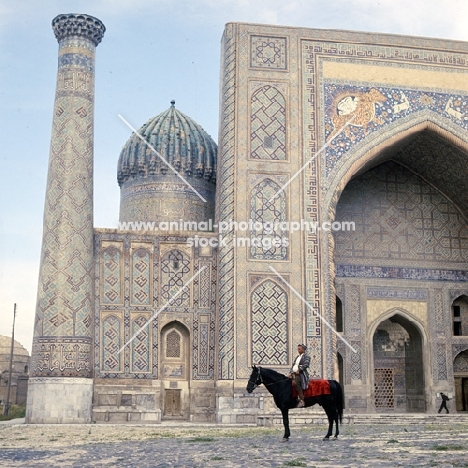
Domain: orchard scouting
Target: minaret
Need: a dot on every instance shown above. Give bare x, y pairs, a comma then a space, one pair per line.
61, 385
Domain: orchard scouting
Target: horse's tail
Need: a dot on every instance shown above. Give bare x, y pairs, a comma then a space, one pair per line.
339, 400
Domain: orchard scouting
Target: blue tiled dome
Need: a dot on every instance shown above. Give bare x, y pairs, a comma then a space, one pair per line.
149, 188
178, 139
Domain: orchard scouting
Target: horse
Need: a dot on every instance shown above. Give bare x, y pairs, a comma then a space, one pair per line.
280, 387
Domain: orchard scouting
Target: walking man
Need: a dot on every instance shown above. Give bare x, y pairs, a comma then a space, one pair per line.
445, 398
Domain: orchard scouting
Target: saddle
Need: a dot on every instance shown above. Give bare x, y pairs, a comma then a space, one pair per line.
316, 388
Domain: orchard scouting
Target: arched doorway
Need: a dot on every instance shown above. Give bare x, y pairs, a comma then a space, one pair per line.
398, 366
460, 373
175, 371
460, 316
409, 217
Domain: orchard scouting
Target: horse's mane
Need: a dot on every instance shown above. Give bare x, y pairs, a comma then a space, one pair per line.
272, 373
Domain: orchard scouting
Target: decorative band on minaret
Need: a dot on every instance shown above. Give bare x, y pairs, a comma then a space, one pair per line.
61, 369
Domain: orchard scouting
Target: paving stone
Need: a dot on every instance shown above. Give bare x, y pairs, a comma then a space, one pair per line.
374, 445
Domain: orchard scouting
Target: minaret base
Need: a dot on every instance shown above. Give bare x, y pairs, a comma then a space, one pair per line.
59, 400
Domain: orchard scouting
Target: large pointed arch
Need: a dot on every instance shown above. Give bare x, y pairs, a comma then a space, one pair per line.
377, 148
398, 375
374, 150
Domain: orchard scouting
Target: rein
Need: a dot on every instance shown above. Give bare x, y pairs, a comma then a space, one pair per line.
267, 385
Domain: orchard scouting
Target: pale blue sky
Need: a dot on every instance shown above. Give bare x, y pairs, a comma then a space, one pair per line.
152, 52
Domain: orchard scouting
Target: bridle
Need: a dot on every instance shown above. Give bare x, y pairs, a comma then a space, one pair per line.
260, 381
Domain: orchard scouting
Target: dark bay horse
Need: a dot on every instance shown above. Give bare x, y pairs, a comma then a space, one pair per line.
281, 388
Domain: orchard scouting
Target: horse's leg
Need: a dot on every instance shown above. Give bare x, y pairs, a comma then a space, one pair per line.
337, 428
330, 417
287, 432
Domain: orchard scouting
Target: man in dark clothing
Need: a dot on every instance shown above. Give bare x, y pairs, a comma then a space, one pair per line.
445, 398
299, 374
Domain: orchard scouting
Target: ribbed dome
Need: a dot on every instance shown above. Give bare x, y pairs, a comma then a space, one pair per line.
5, 346
179, 140
149, 188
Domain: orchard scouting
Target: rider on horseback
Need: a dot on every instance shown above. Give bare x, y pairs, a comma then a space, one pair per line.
299, 374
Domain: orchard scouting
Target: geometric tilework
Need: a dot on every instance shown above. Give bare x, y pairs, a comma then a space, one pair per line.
315, 352
111, 344
175, 272
400, 220
225, 205
460, 364
141, 277
268, 52
268, 124
269, 309
355, 312
204, 342
441, 362
203, 350
322, 97
356, 361
204, 300
111, 276
140, 358
311, 210
64, 302
140, 346
268, 243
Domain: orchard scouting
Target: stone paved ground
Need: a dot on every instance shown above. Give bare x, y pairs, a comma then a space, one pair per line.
373, 445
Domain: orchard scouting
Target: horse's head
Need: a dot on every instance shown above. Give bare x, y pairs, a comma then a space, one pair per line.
255, 379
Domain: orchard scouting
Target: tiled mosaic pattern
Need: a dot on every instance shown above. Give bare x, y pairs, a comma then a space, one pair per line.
460, 364
141, 277
175, 273
268, 124
268, 244
225, 205
268, 52
269, 312
111, 344
112, 278
115, 324
400, 220
141, 345
64, 303
408, 106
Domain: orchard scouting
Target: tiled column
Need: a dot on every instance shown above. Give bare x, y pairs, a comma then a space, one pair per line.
60, 386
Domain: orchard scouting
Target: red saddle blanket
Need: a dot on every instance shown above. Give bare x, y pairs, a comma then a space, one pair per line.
316, 387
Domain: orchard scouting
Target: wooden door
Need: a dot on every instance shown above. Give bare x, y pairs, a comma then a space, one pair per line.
172, 406
465, 394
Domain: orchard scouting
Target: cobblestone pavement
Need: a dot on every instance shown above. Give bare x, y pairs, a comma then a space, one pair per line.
373, 445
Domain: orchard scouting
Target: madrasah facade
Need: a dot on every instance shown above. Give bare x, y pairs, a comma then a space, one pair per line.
317, 127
